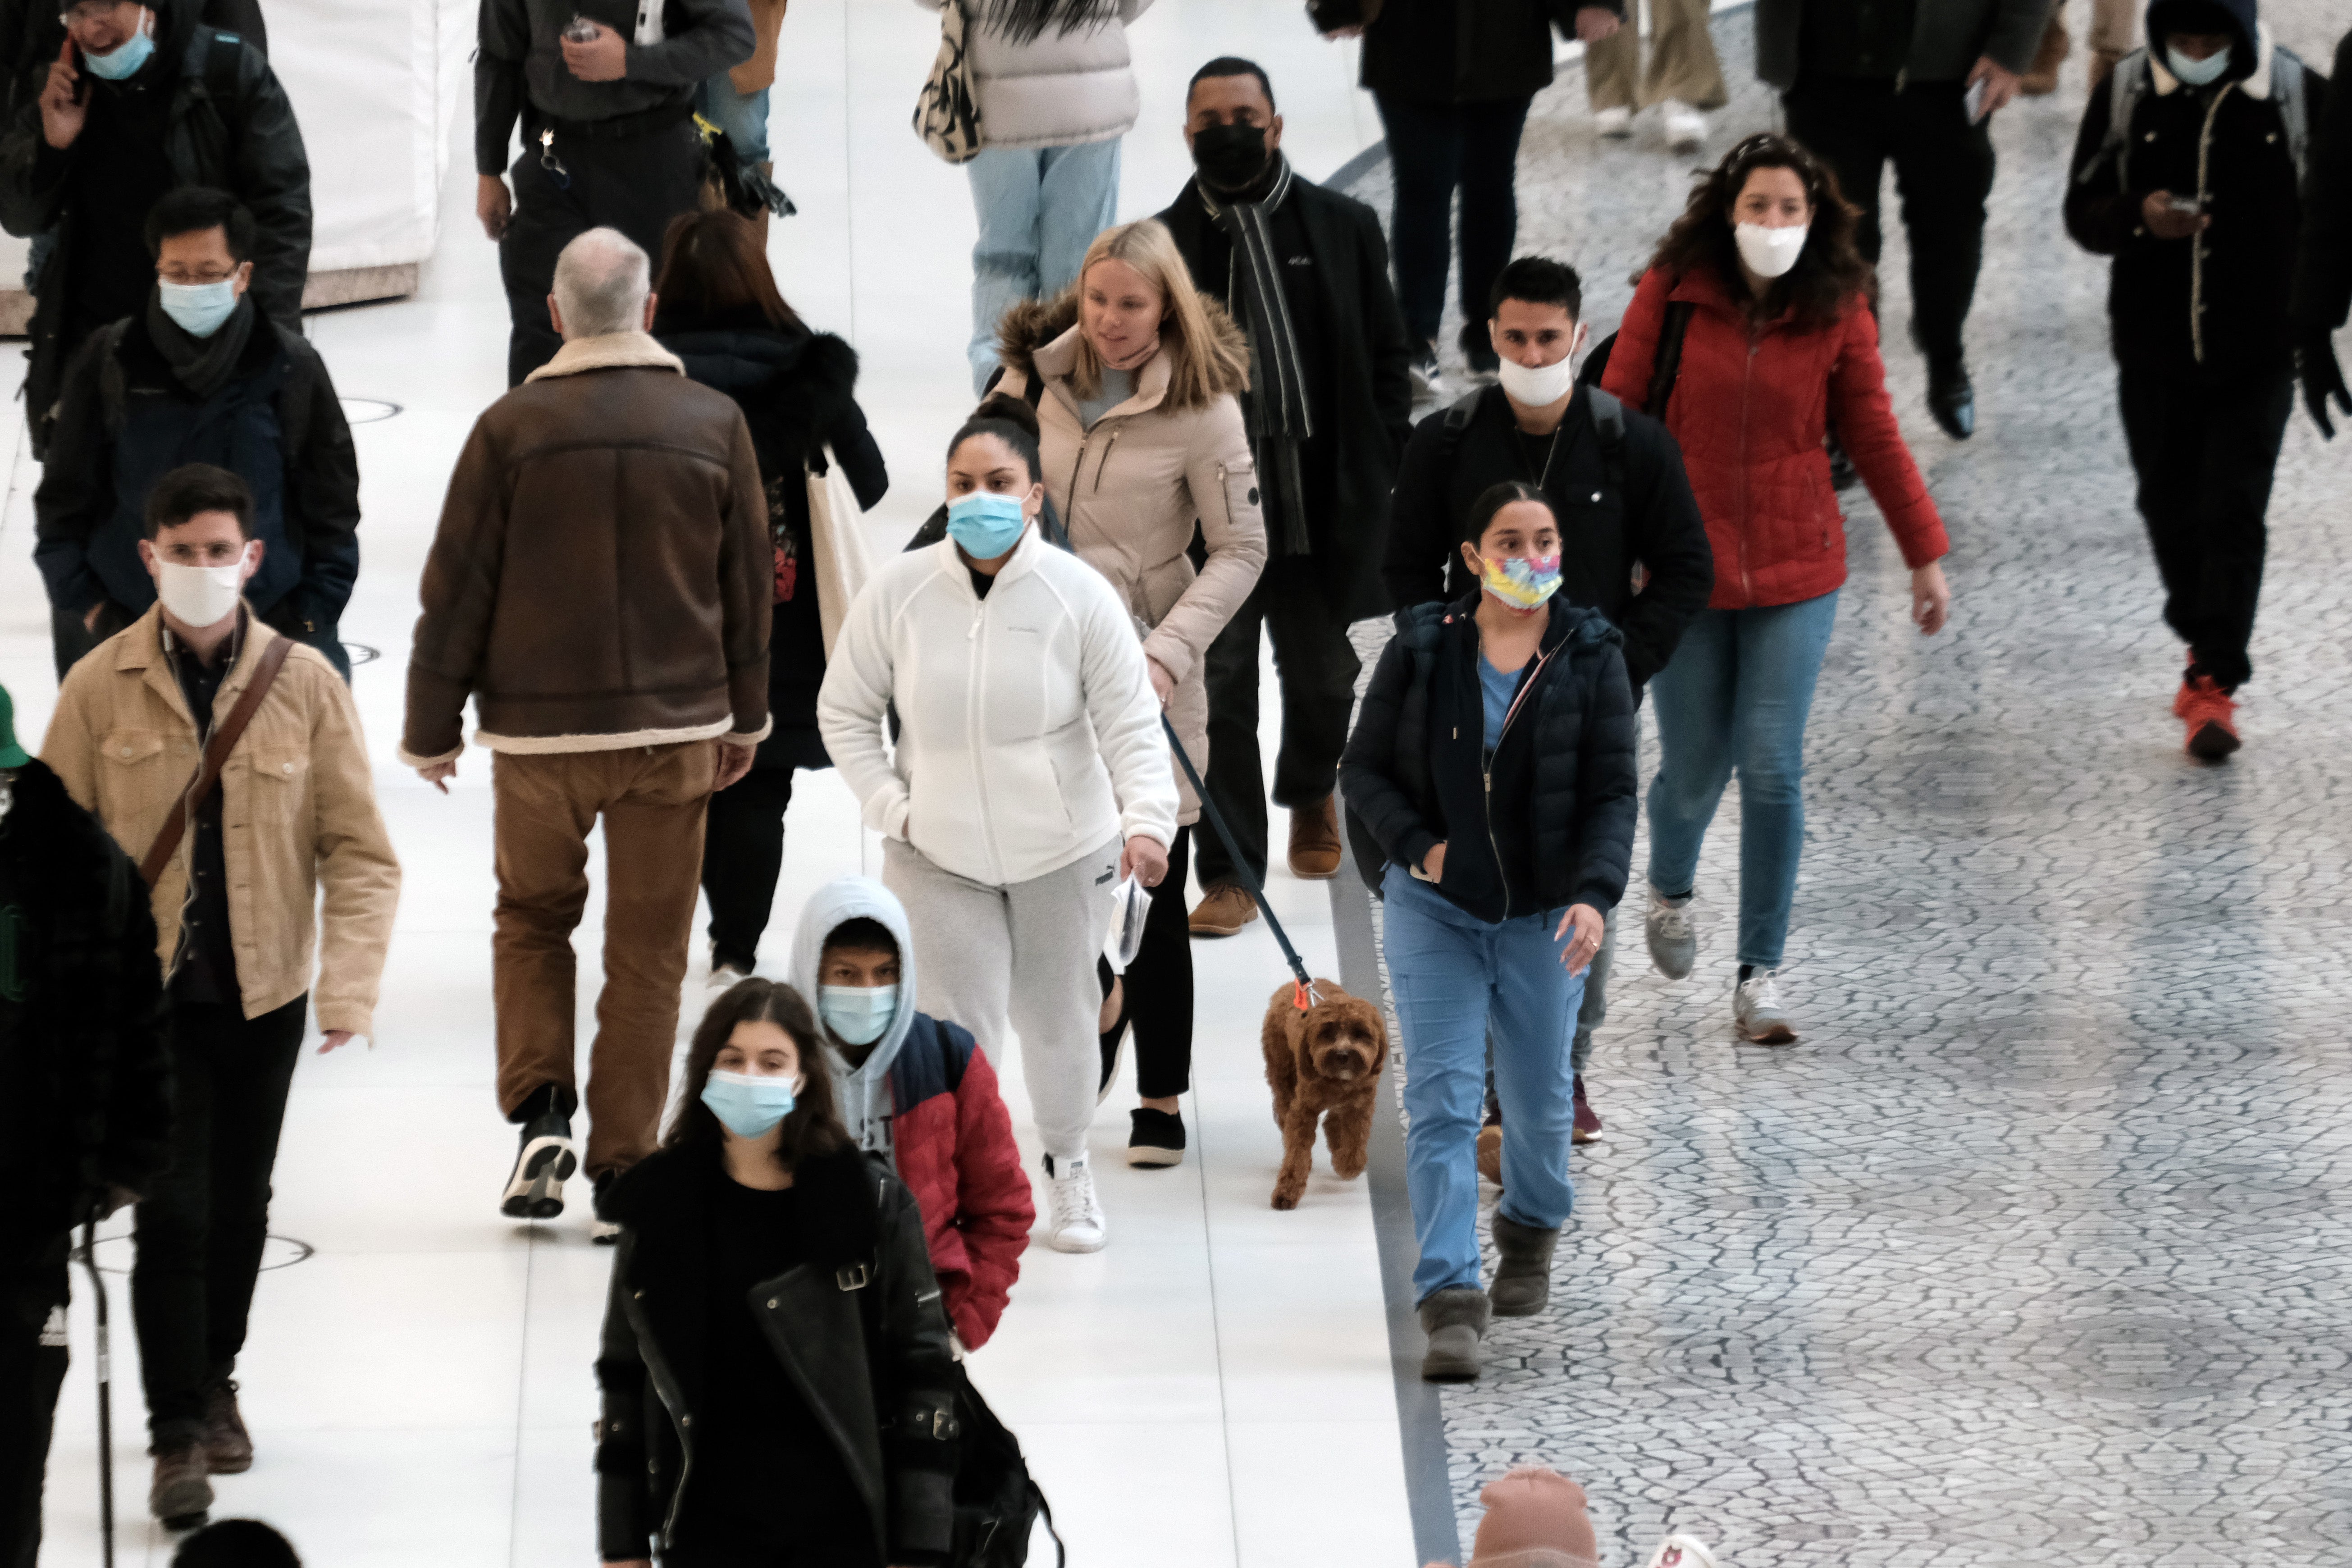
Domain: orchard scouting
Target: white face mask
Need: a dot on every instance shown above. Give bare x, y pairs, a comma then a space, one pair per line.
1539, 388
1769, 252
200, 595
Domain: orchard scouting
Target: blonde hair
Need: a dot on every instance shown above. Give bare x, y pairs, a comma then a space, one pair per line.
1204, 364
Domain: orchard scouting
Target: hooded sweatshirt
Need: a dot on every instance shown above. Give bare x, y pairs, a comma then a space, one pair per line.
927, 1097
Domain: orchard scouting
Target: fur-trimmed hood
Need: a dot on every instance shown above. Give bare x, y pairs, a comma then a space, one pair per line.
1029, 328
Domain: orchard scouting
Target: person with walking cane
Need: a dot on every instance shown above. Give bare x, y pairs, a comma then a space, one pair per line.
85, 1091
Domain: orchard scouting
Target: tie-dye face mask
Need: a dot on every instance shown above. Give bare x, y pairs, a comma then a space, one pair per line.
1521, 582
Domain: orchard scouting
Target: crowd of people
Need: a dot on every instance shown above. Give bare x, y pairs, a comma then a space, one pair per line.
650, 582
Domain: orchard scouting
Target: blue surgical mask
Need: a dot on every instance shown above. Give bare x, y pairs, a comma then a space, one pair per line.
124, 60
199, 309
985, 524
2197, 73
858, 1015
749, 1105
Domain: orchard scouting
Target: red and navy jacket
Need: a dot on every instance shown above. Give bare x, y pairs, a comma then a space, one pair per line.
952, 1140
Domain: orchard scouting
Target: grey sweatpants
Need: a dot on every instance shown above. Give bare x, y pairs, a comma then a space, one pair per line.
1021, 956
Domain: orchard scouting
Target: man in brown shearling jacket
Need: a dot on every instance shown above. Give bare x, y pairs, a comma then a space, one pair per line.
599, 586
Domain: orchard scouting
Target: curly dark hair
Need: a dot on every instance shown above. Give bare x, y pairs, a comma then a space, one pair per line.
815, 1127
1830, 271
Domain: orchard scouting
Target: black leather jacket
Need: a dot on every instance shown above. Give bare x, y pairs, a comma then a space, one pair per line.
859, 1328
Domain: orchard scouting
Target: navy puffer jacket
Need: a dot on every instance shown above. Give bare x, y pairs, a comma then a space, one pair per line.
1556, 825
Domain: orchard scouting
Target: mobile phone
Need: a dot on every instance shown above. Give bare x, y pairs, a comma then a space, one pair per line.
2186, 204
1973, 101
580, 29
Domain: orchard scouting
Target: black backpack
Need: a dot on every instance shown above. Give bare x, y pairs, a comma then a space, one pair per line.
997, 1504
1663, 365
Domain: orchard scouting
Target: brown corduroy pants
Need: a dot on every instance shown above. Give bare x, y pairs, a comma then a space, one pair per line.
653, 800
1682, 60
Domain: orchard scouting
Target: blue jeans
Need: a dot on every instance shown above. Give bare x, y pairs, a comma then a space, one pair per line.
1039, 208
742, 115
1456, 979
1735, 695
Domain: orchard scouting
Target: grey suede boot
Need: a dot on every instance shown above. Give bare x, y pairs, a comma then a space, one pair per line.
1523, 1269
1453, 1319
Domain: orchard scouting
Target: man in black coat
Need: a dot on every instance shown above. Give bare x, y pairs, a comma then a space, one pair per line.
199, 375
85, 1090
2186, 171
1306, 272
2323, 268
139, 102
1625, 509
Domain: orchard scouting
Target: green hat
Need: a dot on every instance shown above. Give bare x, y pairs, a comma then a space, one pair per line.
12, 755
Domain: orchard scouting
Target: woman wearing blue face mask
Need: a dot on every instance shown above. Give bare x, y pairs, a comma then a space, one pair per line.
779, 1385
1489, 782
1030, 775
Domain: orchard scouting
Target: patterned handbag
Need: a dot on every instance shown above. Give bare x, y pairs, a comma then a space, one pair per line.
947, 115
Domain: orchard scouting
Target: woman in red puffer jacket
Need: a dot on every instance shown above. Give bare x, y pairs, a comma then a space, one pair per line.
1780, 343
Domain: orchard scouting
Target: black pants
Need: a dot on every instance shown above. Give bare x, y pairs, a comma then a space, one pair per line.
743, 856
1316, 666
633, 183
2205, 448
1943, 171
1433, 148
201, 1226
1159, 1000
32, 1369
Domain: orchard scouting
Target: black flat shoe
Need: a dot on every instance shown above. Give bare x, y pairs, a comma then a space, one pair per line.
1158, 1138
1952, 399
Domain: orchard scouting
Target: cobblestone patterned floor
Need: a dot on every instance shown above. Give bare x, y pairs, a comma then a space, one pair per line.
2038, 1248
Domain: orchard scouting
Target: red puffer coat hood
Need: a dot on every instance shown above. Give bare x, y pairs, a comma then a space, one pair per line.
1751, 413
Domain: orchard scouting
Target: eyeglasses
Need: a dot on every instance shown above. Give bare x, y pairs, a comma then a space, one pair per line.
89, 12
194, 275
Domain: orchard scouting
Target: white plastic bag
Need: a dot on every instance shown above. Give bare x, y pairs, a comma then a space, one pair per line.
1131, 905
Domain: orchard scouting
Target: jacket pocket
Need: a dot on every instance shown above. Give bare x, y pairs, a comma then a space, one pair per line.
137, 776
282, 784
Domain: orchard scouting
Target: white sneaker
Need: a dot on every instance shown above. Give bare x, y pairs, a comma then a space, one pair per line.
1756, 1008
723, 978
1673, 939
1075, 1222
1615, 123
1428, 380
1685, 127
1682, 1551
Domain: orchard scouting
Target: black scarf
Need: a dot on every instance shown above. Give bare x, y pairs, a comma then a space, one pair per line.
203, 365
1276, 403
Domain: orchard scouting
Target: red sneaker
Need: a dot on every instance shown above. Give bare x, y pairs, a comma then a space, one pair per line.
1588, 1120
2210, 716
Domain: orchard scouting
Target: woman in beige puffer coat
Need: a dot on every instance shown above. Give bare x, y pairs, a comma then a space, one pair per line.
1137, 405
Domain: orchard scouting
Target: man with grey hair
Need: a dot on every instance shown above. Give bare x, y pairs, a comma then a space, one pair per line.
599, 586
605, 92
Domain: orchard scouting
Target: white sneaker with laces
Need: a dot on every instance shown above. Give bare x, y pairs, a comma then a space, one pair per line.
1756, 1008
1074, 1218
723, 978
1428, 380
1615, 123
1672, 938
1685, 127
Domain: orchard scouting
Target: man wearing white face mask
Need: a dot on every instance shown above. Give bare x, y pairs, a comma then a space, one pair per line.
229, 761
200, 375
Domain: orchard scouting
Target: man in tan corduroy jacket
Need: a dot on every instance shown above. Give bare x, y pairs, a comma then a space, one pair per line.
294, 815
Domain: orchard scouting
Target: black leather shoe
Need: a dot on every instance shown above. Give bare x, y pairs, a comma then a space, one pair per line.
1952, 399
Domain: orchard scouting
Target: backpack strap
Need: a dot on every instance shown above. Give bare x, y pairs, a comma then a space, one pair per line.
1609, 423
1456, 420
2126, 84
1667, 363
2291, 90
221, 63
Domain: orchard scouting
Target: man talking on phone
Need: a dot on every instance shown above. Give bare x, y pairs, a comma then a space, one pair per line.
605, 92
140, 101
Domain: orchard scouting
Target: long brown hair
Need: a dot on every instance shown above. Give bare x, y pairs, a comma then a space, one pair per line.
814, 1129
1204, 364
1830, 271
712, 263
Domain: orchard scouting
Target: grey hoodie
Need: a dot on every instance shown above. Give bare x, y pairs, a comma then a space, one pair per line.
866, 1102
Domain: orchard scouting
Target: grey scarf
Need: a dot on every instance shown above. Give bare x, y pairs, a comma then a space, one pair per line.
203, 365
1277, 403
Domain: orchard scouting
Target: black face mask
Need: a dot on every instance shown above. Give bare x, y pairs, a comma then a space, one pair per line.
1229, 156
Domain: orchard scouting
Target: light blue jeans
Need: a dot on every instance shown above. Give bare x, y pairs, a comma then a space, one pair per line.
1457, 980
1039, 208
742, 115
1734, 696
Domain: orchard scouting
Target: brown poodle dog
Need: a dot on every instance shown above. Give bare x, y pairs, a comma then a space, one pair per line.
1323, 1064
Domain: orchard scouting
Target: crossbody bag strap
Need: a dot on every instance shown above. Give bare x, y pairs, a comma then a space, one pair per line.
225, 736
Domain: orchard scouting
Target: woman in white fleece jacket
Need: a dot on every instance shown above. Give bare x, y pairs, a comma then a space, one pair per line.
1030, 775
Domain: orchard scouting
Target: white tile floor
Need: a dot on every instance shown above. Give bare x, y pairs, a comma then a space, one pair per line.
1211, 1389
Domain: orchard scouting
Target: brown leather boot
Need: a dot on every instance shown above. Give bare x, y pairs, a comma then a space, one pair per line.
1315, 841
181, 1496
228, 1446
1224, 909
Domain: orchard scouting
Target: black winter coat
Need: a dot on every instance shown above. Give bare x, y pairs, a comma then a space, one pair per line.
124, 420
1639, 509
1947, 37
859, 1328
2323, 266
248, 145
797, 390
1369, 378
86, 1086
1456, 51
1553, 826
2168, 313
